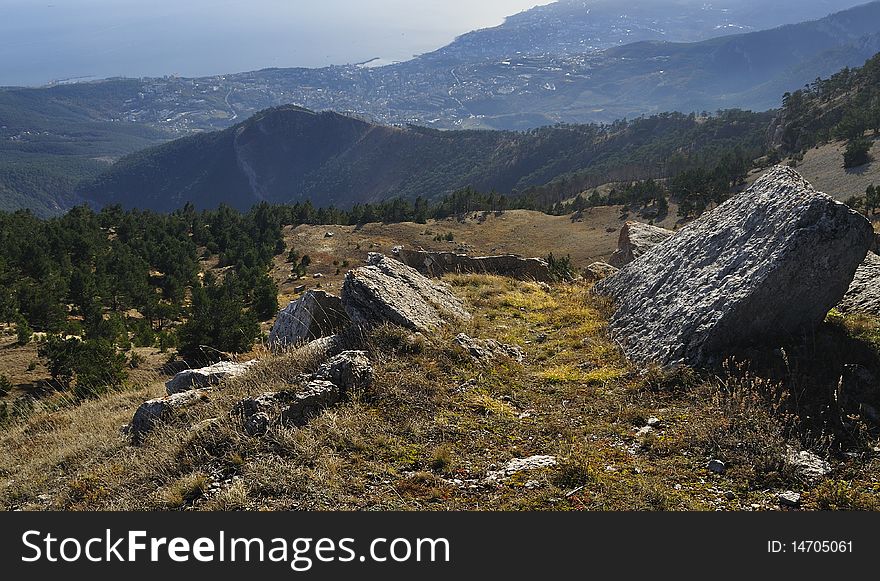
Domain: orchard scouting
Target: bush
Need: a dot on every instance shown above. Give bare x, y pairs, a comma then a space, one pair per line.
23, 331
560, 268
95, 365
857, 152
5, 385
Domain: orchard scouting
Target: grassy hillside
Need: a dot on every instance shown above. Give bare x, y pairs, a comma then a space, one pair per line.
436, 422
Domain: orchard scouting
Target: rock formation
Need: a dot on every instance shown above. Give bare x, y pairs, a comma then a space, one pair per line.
314, 315
863, 295
389, 291
635, 239
206, 376
768, 263
437, 264
155, 411
337, 380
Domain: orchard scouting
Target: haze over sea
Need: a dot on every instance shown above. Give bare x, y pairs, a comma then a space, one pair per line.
58, 40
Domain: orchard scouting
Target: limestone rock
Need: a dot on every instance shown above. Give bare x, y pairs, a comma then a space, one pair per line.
294, 407
598, 271
488, 349
518, 465
314, 315
314, 397
206, 376
790, 499
807, 464
768, 263
389, 291
439, 263
350, 371
863, 295
635, 239
156, 411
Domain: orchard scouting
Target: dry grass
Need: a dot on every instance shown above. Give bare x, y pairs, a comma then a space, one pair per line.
434, 424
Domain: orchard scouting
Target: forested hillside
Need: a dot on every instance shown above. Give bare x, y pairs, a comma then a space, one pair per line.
288, 155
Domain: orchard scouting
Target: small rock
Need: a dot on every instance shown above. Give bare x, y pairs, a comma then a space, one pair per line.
488, 349
350, 371
653, 422
729, 495
642, 432
807, 464
155, 411
519, 465
716, 466
790, 499
206, 376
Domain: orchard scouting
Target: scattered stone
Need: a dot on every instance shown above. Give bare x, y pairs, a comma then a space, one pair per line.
339, 378
598, 271
314, 397
486, 350
716, 466
210, 376
653, 422
789, 499
635, 239
317, 275
644, 431
389, 291
729, 495
863, 295
299, 289
518, 465
768, 263
350, 371
314, 315
156, 411
328, 234
807, 464
436, 264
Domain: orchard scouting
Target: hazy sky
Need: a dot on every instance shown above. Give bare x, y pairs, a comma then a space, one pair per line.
58, 39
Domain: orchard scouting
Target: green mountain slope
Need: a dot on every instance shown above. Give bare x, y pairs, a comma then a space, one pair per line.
290, 154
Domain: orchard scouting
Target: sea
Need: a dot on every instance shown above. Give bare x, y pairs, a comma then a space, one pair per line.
52, 41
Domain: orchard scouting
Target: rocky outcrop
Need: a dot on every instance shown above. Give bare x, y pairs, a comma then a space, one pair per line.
635, 239
598, 271
155, 411
337, 380
487, 350
768, 263
863, 295
350, 370
206, 376
437, 264
389, 291
314, 315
